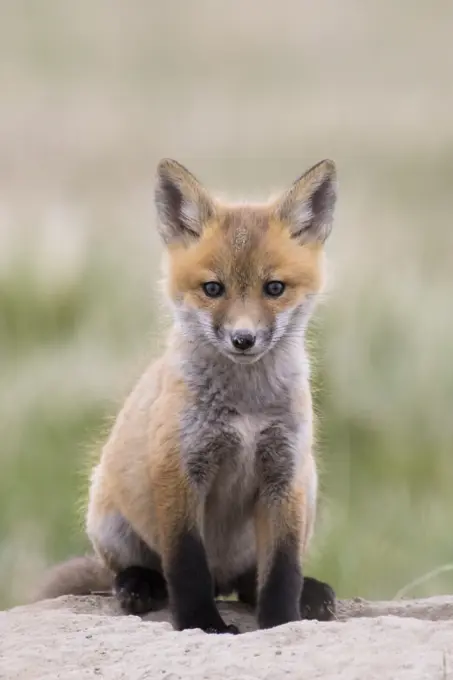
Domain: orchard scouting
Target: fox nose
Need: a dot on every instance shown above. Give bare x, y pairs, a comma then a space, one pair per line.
243, 339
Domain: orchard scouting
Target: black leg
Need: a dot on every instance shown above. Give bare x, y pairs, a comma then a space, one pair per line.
317, 600
191, 587
140, 590
279, 517
246, 586
279, 596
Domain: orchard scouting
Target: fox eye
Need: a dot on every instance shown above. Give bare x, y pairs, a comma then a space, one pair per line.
274, 288
213, 289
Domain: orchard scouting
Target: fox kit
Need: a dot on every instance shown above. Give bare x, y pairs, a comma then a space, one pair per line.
207, 484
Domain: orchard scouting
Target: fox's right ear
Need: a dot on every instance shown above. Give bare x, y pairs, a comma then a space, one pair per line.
183, 205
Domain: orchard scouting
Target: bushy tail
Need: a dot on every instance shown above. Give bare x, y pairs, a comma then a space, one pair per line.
77, 576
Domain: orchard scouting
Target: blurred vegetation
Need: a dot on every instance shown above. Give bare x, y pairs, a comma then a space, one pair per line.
247, 96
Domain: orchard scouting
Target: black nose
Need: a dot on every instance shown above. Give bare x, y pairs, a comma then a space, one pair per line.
243, 339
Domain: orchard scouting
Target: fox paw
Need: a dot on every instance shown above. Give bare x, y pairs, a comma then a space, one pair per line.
232, 629
318, 600
140, 590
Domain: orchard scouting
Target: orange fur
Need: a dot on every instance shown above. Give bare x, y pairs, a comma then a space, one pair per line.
260, 249
140, 461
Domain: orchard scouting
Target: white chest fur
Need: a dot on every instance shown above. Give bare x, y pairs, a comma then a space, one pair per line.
249, 428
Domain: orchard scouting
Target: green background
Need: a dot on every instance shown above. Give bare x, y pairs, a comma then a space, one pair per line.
248, 95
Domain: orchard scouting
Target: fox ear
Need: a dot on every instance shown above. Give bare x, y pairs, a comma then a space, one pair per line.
307, 207
183, 205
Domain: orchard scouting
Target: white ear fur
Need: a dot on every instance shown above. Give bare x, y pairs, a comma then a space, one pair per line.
183, 205
308, 206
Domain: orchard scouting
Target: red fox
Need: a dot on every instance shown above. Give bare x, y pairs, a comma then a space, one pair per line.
207, 484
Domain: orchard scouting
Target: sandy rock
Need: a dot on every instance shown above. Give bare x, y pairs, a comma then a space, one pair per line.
87, 637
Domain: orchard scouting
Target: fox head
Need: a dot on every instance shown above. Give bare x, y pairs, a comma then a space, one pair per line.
244, 277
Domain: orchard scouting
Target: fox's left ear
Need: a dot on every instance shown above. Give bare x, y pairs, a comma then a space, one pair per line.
183, 205
307, 207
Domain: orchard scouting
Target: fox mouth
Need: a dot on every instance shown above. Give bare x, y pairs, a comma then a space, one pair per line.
243, 357
220, 340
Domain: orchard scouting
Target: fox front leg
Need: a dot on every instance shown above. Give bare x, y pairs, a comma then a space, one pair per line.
191, 586
280, 526
279, 570
185, 565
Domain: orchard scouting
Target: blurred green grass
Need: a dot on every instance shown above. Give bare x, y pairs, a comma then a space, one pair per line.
91, 98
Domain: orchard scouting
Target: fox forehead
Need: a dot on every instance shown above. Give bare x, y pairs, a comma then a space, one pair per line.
243, 246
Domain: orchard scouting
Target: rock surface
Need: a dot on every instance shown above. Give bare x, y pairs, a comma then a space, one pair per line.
87, 637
